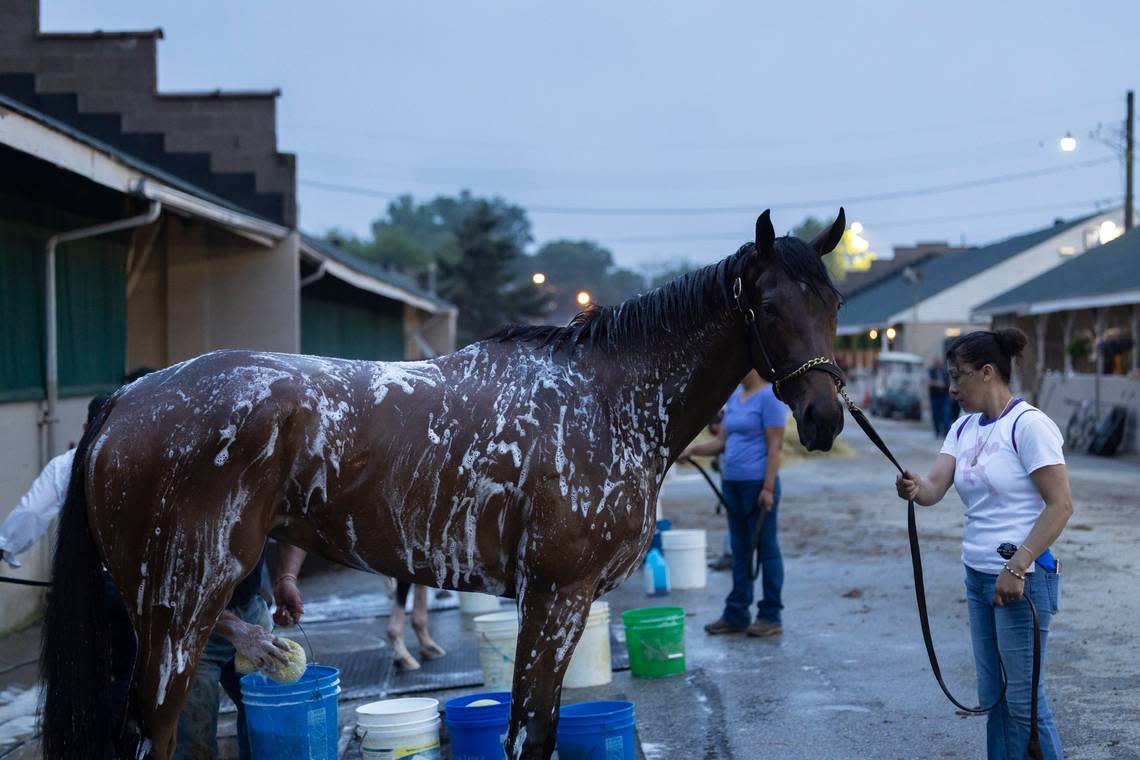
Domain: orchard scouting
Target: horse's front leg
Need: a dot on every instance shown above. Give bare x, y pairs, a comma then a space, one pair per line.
552, 622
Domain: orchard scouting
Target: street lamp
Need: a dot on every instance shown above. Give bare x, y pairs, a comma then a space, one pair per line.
1108, 231
538, 278
1068, 143
583, 297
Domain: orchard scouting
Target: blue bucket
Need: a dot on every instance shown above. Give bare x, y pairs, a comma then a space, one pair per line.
662, 526
296, 721
597, 731
478, 733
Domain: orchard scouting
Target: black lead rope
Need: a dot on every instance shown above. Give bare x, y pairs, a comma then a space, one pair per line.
24, 582
720, 497
1034, 748
754, 562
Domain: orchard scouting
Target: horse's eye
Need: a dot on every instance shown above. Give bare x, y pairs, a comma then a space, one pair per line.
768, 309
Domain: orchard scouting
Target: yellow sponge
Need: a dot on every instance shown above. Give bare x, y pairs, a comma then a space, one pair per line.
287, 673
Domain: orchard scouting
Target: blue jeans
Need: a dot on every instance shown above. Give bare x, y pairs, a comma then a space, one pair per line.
1011, 627
740, 498
940, 414
198, 721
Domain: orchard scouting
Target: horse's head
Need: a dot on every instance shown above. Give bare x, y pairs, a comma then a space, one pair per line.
786, 285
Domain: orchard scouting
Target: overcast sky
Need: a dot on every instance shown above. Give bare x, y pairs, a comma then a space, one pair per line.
702, 113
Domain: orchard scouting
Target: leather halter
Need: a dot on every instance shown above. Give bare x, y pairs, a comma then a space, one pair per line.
756, 348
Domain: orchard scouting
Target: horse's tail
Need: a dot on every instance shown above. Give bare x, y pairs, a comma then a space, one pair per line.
75, 661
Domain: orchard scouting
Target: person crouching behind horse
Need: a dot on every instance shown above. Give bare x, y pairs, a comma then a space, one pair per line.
751, 436
244, 627
1006, 462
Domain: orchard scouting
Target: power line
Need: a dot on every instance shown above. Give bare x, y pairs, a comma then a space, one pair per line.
1079, 206
941, 126
718, 210
801, 172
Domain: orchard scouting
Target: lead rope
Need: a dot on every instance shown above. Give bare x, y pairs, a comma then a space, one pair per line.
755, 560
1034, 747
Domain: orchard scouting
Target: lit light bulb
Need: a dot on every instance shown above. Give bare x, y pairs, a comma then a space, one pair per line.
583, 298
1109, 231
538, 278
1068, 143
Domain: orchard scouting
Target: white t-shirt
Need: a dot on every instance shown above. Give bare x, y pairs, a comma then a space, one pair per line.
32, 516
1002, 504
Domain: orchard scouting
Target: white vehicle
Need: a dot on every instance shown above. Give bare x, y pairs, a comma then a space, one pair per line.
898, 384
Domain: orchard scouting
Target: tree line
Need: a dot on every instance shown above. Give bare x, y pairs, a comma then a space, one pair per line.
475, 252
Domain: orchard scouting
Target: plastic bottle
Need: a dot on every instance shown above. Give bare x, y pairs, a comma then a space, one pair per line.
656, 574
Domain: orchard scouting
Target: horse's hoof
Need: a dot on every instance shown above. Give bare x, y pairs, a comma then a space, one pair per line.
406, 662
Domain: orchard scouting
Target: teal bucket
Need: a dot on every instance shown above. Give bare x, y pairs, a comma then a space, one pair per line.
296, 721
597, 731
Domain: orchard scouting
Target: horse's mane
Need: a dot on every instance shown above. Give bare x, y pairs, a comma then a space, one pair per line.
695, 297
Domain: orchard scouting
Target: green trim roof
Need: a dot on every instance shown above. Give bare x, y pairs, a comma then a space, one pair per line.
373, 269
1110, 268
878, 303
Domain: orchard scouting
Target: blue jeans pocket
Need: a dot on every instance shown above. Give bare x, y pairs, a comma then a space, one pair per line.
1053, 586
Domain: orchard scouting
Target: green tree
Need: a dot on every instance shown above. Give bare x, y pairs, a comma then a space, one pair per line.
572, 266
412, 236
483, 280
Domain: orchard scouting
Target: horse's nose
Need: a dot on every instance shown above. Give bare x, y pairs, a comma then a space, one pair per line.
818, 431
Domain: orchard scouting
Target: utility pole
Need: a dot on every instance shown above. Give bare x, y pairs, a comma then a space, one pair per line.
1129, 119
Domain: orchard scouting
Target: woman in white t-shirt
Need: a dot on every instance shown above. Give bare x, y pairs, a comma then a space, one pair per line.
1004, 457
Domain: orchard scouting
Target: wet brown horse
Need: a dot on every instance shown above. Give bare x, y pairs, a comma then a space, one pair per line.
526, 465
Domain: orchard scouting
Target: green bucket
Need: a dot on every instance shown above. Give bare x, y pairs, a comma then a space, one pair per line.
655, 638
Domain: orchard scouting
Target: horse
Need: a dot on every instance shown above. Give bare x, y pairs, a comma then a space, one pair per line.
526, 465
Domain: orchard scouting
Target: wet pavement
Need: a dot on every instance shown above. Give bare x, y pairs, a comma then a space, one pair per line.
849, 676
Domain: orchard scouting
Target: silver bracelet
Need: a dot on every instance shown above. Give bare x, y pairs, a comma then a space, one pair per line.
1012, 572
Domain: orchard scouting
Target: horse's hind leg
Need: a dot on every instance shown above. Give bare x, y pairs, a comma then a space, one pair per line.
552, 623
429, 650
168, 655
175, 604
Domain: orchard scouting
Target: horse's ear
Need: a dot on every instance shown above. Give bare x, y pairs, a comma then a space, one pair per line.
765, 235
826, 241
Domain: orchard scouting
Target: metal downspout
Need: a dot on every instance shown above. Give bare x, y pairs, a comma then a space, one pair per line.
51, 346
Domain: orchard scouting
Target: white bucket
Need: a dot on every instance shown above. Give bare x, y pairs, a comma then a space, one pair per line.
591, 664
395, 728
685, 554
498, 633
473, 603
